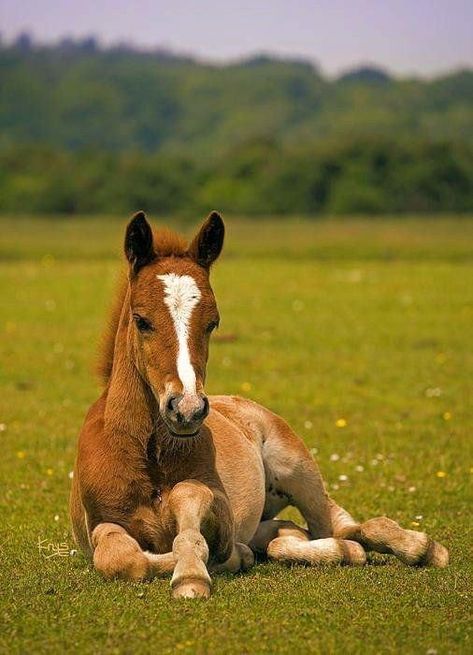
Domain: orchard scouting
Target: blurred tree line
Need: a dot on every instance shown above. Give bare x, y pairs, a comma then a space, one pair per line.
90, 130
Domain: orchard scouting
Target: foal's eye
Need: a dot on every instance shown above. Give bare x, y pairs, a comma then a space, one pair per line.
142, 324
211, 326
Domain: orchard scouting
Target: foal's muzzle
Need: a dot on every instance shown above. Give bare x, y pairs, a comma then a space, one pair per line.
184, 414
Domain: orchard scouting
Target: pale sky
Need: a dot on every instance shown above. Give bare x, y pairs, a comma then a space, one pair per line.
404, 36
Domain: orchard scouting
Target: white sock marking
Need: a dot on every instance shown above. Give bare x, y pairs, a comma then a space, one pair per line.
181, 295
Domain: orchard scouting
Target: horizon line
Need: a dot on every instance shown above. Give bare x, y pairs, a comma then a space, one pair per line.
222, 62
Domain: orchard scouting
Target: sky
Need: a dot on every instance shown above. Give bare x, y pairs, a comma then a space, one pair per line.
423, 37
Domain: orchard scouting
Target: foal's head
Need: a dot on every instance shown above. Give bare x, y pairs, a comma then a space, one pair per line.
172, 314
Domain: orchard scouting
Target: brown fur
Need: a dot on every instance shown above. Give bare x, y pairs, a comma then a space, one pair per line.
166, 244
146, 501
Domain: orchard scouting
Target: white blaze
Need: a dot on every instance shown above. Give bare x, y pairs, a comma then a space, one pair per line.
181, 295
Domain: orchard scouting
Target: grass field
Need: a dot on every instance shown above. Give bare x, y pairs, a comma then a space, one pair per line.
358, 332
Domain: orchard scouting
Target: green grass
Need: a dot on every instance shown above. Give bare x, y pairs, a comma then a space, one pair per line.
369, 321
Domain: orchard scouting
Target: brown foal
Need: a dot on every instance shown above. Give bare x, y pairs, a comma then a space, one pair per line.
170, 481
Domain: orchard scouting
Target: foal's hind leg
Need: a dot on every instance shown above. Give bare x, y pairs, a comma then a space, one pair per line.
284, 541
384, 535
295, 476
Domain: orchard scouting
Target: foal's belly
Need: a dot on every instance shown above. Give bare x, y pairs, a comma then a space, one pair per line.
240, 466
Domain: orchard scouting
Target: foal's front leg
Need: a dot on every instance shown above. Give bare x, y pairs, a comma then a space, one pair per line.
196, 508
118, 555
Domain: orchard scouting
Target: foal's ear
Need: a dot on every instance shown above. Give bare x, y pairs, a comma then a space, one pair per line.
207, 244
139, 242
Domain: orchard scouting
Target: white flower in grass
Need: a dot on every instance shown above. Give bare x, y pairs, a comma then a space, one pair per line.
297, 305
343, 478
359, 468
334, 457
308, 425
433, 392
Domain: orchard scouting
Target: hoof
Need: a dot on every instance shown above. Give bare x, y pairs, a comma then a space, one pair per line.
191, 589
353, 553
436, 555
247, 558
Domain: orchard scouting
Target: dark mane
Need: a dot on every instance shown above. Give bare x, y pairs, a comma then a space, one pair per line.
166, 244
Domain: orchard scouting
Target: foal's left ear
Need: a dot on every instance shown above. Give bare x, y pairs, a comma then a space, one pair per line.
207, 244
139, 242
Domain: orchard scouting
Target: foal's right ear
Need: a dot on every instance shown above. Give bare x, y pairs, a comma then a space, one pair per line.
139, 242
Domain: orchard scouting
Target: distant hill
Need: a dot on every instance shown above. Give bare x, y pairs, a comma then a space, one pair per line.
76, 95
366, 74
88, 130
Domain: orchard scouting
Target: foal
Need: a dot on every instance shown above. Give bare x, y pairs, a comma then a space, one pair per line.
168, 480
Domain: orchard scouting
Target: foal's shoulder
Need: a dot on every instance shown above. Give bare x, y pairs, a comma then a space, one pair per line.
245, 414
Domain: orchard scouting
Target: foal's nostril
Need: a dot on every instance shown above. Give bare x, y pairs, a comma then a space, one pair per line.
173, 404
203, 409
